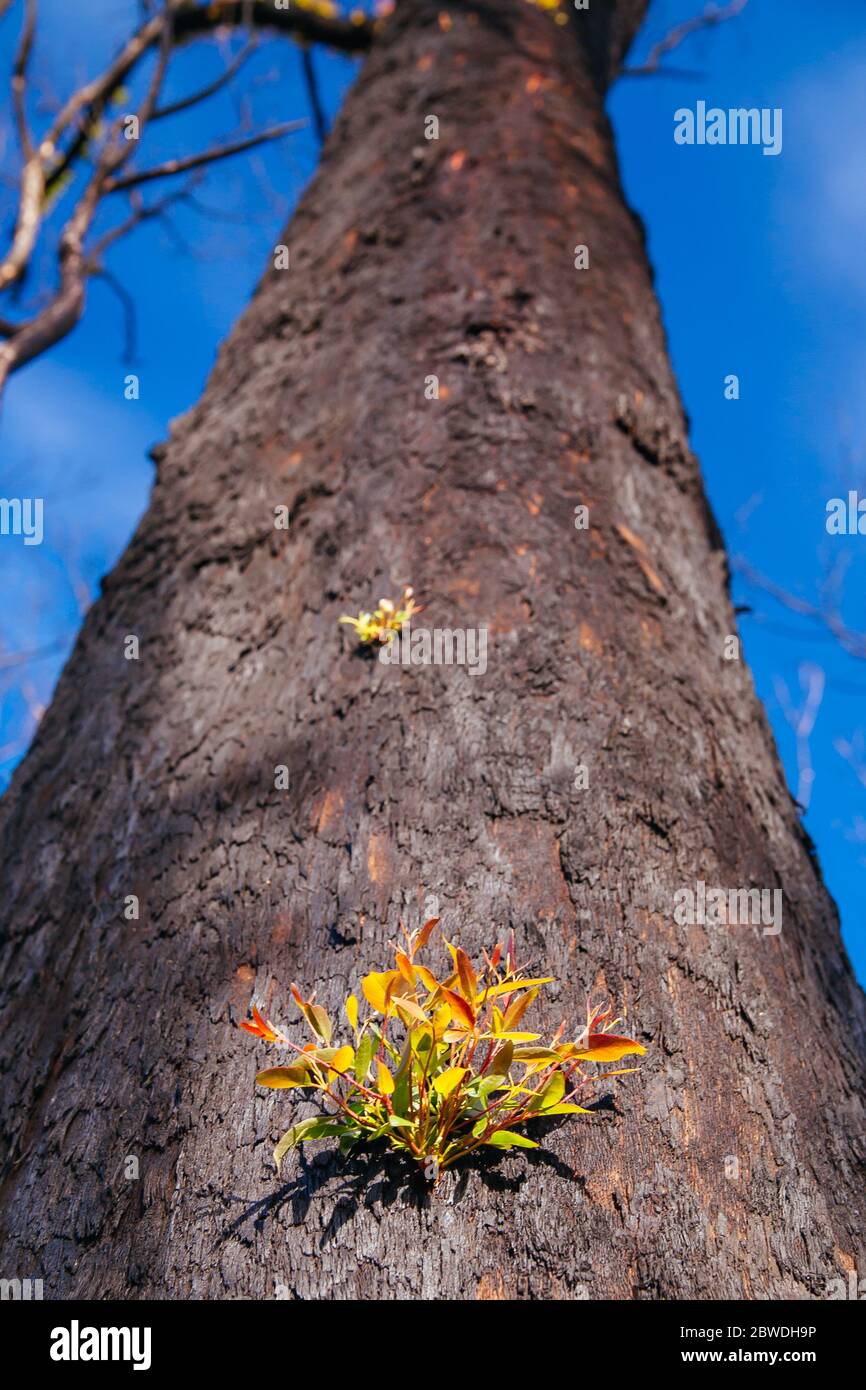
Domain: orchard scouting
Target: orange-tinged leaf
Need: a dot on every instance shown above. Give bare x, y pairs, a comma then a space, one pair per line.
410, 1009
424, 933
385, 1080
468, 978
516, 1010
460, 1008
608, 1047
267, 1030
448, 1080
404, 965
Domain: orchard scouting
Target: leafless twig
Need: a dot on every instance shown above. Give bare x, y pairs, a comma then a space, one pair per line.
802, 721
49, 161
712, 15
826, 613
196, 161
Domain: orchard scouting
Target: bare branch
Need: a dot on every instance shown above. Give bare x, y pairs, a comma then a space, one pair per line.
64, 311
32, 176
853, 753
311, 82
802, 721
19, 78
713, 14
225, 77
130, 321
13, 659
196, 161
854, 643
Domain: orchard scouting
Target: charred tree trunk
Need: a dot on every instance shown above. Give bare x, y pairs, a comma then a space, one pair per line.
729, 1165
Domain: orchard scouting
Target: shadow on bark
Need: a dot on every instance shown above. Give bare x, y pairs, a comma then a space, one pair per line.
377, 1179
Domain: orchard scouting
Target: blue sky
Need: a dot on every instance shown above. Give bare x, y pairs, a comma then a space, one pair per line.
760, 271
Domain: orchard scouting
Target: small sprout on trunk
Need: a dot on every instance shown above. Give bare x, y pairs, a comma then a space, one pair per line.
382, 625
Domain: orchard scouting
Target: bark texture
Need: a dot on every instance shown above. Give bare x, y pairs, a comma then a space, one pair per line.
156, 777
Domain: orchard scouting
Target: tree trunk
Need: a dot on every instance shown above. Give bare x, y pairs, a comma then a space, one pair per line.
727, 1166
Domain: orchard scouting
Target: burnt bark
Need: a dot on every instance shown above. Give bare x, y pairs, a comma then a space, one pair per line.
155, 777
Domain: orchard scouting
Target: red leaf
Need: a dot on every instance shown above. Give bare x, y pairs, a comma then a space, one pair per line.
459, 1007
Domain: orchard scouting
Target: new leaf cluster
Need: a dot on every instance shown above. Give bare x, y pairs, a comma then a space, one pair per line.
439, 1068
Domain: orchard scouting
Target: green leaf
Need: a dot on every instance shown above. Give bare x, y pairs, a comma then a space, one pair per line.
347, 1139
398, 1122
553, 1091
400, 1098
510, 1139
316, 1127
567, 1109
319, 1022
502, 1059
536, 1054
364, 1056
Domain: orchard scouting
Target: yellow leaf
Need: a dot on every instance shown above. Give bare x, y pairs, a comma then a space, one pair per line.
283, 1078
511, 987
352, 1012
343, 1059
428, 977
449, 1080
377, 988
386, 1080
441, 1019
